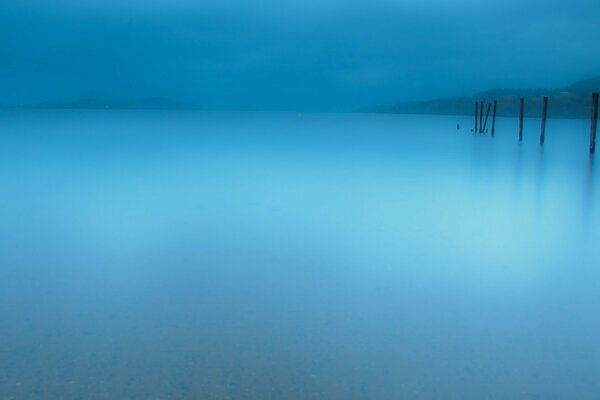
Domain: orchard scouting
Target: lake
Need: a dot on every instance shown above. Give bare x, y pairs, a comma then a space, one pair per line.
175, 255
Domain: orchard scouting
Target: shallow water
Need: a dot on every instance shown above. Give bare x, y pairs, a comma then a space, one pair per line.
173, 255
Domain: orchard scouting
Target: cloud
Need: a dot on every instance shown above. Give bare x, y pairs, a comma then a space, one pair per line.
327, 55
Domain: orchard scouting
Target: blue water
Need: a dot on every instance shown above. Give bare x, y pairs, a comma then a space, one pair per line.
189, 255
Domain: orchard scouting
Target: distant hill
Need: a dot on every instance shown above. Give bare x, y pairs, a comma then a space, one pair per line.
150, 103
574, 101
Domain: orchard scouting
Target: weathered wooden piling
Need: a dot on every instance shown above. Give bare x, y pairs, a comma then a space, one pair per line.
480, 115
476, 115
594, 123
493, 119
521, 111
544, 115
487, 115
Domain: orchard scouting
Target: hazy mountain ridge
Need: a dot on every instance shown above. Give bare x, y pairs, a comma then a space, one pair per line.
149, 103
573, 101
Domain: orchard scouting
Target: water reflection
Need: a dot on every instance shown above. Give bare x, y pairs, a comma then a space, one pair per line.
540, 173
266, 256
589, 194
518, 168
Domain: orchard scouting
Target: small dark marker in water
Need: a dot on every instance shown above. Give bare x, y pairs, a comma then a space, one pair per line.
487, 115
476, 115
481, 116
544, 115
594, 123
521, 111
458, 127
494, 119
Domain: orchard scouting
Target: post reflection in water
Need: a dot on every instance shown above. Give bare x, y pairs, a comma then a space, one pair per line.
588, 208
540, 170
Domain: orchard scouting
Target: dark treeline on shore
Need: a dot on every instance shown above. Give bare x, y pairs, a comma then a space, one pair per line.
573, 101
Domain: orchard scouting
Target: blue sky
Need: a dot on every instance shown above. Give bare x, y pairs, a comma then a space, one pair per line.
327, 55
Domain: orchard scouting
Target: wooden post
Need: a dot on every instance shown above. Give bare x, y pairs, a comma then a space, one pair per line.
480, 115
476, 115
494, 119
521, 111
594, 123
487, 114
544, 115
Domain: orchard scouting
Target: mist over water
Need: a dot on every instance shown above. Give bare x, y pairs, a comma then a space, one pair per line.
176, 255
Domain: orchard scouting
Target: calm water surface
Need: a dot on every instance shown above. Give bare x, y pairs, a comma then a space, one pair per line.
184, 255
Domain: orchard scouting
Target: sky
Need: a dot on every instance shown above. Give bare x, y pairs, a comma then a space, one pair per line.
312, 55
